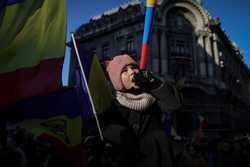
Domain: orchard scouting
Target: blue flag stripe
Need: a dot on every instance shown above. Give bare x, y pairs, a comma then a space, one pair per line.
86, 59
147, 24
63, 102
83, 96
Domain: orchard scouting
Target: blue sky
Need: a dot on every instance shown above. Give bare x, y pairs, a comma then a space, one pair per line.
234, 15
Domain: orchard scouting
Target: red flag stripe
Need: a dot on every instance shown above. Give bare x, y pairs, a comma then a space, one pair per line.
144, 55
27, 82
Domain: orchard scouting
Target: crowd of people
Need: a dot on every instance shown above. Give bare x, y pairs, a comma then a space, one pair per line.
22, 149
215, 153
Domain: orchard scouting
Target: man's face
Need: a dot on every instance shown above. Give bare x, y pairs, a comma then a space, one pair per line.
127, 76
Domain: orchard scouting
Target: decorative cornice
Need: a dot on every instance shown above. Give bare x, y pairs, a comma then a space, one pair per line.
115, 10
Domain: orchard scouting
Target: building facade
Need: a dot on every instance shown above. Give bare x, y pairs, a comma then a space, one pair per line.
186, 42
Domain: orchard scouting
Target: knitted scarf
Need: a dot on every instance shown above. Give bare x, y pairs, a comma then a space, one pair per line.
135, 102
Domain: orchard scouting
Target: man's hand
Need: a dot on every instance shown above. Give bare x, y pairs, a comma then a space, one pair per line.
146, 80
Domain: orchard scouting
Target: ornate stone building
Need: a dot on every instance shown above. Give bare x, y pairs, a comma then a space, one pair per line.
186, 42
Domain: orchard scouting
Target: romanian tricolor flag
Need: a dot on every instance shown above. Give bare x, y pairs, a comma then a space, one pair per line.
150, 6
32, 46
55, 118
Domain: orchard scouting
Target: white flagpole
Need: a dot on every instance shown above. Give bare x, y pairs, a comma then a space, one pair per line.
85, 81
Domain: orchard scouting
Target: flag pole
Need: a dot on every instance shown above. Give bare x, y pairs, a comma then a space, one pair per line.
150, 7
85, 82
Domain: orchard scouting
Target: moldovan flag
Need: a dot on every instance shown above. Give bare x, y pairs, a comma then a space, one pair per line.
32, 46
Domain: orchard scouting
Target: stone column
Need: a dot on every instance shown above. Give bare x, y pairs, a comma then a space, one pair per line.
216, 52
200, 46
163, 50
195, 56
159, 57
208, 47
209, 57
155, 52
216, 56
201, 56
138, 45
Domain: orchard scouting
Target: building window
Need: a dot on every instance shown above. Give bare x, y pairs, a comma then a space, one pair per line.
180, 56
180, 47
179, 22
130, 44
203, 69
210, 70
105, 50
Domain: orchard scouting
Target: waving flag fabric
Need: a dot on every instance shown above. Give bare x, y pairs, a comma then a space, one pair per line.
32, 46
55, 118
97, 83
57, 114
150, 6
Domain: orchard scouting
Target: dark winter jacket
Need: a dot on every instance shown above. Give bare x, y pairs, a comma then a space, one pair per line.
137, 137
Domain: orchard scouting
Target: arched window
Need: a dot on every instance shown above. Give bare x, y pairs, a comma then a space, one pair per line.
180, 25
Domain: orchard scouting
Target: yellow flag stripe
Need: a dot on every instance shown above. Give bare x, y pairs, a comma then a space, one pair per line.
99, 89
31, 32
72, 128
151, 3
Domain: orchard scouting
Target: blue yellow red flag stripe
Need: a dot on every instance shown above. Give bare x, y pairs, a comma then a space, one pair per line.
58, 114
32, 48
148, 24
151, 4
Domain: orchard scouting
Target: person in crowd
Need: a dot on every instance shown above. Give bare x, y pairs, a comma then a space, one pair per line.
132, 127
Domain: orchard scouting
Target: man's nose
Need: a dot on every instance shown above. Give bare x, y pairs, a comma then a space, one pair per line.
131, 71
